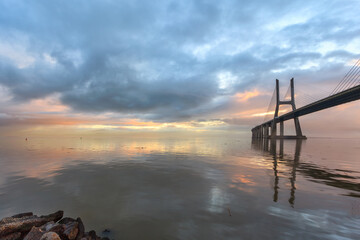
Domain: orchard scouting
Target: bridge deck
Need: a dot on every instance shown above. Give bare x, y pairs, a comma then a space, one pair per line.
346, 96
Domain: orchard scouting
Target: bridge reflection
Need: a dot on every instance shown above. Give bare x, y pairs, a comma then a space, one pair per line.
342, 179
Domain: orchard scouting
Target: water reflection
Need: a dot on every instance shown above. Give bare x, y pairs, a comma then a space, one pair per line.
186, 188
332, 177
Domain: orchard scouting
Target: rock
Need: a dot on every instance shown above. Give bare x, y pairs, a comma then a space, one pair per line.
20, 215
54, 216
12, 236
57, 228
50, 236
6, 220
71, 230
86, 237
11, 219
47, 226
26, 226
92, 235
35, 234
81, 229
25, 223
66, 220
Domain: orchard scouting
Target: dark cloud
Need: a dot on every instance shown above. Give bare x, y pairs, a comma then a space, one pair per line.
161, 60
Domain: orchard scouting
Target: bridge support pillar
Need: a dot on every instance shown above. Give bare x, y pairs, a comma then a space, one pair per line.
273, 130
263, 130
259, 130
266, 131
298, 128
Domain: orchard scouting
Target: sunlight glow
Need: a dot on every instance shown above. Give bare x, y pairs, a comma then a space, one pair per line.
267, 113
243, 97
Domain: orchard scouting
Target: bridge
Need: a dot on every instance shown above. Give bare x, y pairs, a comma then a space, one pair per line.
347, 90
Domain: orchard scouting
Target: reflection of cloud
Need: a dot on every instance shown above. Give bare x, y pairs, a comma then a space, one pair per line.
144, 195
44, 157
241, 178
170, 190
318, 220
217, 200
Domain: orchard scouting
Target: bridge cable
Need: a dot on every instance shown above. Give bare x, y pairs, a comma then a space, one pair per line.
352, 79
300, 101
349, 80
316, 88
308, 96
287, 94
341, 83
271, 105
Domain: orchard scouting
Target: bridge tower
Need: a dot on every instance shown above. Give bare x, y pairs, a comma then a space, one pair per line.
298, 131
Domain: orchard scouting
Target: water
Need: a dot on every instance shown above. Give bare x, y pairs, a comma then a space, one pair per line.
188, 188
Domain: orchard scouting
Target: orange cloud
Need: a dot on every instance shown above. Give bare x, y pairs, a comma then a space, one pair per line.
243, 97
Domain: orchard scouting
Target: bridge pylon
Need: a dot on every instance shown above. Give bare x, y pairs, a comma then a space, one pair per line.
262, 131
298, 131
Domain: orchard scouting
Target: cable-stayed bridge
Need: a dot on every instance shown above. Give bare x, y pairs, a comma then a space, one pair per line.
347, 90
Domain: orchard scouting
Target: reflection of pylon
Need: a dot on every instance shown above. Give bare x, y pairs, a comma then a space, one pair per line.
296, 119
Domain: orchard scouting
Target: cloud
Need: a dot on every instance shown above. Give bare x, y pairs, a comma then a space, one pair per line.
167, 60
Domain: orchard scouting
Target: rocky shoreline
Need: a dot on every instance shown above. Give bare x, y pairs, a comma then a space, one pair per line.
27, 226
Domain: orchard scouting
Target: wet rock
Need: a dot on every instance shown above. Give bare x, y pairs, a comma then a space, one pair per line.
46, 227
54, 216
92, 235
71, 230
8, 220
81, 229
25, 223
20, 215
66, 220
12, 236
50, 236
105, 234
35, 234
58, 229
26, 226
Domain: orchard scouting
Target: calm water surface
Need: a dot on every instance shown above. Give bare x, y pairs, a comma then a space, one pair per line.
188, 188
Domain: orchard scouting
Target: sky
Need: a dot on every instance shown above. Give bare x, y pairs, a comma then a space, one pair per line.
162, 66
